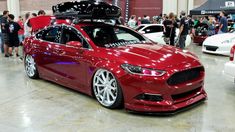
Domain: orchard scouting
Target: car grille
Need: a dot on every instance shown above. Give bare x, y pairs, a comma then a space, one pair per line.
211, 48
185, 76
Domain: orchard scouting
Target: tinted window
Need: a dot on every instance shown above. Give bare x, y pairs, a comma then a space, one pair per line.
111, 36
70, 34
153, 29
51, 34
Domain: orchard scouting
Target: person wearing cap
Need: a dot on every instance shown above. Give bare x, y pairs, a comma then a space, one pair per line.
183, 30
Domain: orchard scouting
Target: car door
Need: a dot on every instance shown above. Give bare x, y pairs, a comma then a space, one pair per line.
72, 64
154, 33
46, 41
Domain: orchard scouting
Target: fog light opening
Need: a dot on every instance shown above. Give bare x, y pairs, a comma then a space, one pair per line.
150, 97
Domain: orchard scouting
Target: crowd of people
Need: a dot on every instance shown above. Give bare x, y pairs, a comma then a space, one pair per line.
186, 25
14, 31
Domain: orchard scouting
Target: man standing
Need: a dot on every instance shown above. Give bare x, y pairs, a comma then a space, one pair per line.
13, 29
183, 31
5, 37
145, 20
223, 26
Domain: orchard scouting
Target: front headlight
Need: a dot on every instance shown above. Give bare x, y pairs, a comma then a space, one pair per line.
226, 42
142, 71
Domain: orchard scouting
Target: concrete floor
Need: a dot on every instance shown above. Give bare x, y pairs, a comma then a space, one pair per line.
38, 105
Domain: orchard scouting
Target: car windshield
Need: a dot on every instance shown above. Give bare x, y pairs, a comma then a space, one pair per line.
113, 36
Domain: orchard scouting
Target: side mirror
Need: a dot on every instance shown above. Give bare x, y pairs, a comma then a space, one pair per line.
76, 44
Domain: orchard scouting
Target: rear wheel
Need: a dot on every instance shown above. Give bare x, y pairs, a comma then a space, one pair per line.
106, 89
30, 67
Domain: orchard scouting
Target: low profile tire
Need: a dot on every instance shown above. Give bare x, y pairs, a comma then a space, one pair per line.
106, 89
30, 67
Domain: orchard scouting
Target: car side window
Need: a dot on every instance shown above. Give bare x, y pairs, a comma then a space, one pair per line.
51, 34
69, 34
153, 29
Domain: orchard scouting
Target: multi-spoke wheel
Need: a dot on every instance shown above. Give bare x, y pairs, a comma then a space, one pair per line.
30, 67
106, 89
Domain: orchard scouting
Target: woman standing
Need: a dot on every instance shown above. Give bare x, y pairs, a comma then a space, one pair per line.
170, 26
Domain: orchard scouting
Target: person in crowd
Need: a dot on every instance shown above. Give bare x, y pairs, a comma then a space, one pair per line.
132, 22
170, 26
145, 20
27, 25
5, 37
139, 21
21, 31
223, 25
34, 15
13, 29
211, 26
191, 23
204, 20
41, 13
183, 30
21, 35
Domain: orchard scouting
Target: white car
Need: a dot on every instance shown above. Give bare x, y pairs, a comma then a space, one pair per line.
229, 69
155, 33
219, 44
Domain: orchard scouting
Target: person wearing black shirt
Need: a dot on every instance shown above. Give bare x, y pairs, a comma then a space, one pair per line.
145, 20
170, 26
5, 39
184, 29
13, 28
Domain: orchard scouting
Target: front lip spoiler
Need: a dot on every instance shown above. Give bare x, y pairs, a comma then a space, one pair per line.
170, 113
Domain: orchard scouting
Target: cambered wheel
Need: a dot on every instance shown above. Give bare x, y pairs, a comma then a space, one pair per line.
106, 89
30, 67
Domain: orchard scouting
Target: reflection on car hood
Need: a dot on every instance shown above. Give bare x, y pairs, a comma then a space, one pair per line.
152, 55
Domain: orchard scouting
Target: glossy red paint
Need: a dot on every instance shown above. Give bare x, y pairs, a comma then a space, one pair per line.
199, 39
74, 67
232, 53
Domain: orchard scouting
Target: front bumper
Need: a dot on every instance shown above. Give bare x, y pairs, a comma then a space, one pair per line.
229, 71
220, 50
175, 97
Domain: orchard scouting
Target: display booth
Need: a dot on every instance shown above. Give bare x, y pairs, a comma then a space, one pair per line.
212, 7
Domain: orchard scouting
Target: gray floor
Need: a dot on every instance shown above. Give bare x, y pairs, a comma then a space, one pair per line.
37, 105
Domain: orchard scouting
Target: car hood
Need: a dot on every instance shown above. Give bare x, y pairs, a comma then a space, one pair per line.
152, 55
217, 40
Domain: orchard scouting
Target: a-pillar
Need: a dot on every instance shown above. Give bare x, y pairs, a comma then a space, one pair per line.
14, 7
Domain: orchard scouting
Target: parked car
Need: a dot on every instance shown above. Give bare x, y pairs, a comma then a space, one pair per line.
155, 33
200, 33
219, 43
229, 69
114, 64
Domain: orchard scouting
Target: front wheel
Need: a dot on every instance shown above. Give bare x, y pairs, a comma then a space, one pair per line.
30, 67
106, 89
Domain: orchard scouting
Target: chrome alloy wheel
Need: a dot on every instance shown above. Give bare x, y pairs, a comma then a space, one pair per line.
105, 87
30, 66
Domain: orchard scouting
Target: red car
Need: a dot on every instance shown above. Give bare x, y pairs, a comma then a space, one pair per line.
116, 65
